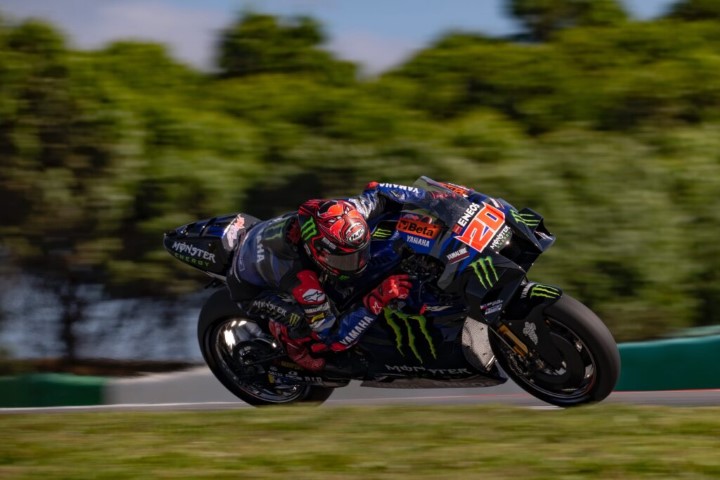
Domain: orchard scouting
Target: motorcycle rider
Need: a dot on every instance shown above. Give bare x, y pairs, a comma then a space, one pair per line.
278, 267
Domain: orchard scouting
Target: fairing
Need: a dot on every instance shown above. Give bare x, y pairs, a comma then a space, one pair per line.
208, 244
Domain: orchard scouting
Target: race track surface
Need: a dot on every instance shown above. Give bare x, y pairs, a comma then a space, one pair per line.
148, 398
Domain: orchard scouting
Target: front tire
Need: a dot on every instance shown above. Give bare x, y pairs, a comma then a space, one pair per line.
591, 360
233, 349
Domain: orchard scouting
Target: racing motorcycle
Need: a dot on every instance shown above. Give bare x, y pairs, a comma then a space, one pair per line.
473, 317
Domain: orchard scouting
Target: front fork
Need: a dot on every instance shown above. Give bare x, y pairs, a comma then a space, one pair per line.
523, 328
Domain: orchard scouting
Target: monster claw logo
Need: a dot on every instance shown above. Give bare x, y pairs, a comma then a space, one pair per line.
544, 291
393, 317
485, 271
382, 234
274, 231
528, 219
294, 319
308, 230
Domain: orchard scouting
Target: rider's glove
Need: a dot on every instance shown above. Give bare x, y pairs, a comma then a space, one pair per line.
392, 288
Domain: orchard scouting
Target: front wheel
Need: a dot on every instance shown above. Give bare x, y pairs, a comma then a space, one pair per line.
591, 361
237, 352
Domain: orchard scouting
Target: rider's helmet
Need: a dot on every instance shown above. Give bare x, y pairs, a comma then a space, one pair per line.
335, 236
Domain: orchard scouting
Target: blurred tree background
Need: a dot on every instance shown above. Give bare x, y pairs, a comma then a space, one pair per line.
608, 126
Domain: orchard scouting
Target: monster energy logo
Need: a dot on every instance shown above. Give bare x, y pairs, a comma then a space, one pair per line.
382, 234
529, 219
485, 271
538, 290
393, 317
294, 319
274, 231
308, 230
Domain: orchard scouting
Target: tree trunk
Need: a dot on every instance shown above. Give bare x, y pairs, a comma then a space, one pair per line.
73, 313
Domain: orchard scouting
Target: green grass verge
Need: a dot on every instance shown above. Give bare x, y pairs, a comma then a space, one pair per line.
366, 443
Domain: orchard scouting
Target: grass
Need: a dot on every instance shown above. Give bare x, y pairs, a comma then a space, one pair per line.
459, 442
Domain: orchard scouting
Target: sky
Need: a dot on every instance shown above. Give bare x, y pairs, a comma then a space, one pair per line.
377, 34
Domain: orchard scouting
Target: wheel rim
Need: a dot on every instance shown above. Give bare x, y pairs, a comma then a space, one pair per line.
234, 344
573, 381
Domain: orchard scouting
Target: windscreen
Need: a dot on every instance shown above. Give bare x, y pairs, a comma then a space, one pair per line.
448, 207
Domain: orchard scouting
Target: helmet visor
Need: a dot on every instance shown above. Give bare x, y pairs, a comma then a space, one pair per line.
349, 262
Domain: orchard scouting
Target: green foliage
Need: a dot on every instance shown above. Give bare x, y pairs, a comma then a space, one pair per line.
144, 66
260, 44
610, 129
543, 18
524, 82
36, 39
695, 10
619, 78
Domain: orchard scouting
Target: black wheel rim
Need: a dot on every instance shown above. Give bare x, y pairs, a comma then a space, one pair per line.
574, 381
236, 345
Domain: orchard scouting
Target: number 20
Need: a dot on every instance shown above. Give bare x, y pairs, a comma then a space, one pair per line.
483, 227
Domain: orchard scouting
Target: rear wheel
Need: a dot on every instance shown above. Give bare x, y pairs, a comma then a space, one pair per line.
238, 352
591, 361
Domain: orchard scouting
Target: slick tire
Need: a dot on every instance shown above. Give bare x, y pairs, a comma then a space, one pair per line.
587, 346
216, 318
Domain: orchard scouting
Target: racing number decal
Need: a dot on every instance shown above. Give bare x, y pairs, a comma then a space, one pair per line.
480, 231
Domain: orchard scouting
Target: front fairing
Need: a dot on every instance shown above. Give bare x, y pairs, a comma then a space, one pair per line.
485, 245
474, 224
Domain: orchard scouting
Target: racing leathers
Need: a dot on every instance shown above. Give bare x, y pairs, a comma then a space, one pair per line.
273, 278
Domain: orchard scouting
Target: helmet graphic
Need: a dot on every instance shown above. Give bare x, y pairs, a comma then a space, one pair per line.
335, 235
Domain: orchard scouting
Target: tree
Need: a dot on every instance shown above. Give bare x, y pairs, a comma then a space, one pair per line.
66, 146
542, 18
524, 82
260, 44
145, 66
695, 10
40, 161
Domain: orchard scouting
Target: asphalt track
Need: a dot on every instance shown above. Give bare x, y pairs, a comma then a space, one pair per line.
508, 394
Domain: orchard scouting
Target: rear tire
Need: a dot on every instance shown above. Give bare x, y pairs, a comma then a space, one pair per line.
591, 358
229, 344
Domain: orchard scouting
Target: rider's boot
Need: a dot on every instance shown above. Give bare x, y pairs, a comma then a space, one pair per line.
296, 347
348, 363
343, 361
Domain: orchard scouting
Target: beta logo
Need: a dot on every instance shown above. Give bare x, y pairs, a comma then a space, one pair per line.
416, 227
